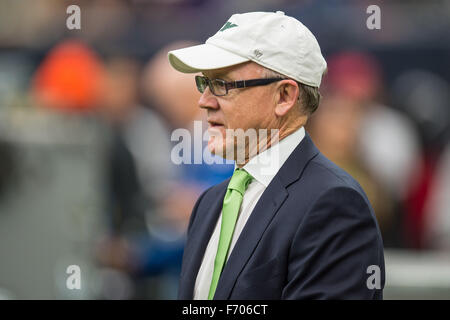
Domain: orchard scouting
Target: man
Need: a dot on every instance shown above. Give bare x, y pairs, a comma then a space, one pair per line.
302, 229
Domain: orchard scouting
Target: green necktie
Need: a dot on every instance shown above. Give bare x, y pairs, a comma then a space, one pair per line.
231, 204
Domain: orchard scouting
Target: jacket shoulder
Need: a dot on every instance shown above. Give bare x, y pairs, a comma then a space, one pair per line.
327, 175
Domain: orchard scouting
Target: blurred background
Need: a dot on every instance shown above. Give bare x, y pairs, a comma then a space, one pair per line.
86, 117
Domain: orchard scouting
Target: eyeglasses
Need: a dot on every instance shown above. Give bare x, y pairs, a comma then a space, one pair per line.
220, 87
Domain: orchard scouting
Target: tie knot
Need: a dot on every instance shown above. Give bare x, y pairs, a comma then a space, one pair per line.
240, 181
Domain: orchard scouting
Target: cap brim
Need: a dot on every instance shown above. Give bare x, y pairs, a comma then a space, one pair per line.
203, 57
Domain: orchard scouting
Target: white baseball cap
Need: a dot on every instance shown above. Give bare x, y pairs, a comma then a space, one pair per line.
273, 40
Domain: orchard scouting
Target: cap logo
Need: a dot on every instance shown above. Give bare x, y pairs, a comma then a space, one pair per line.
257, 53
228, 25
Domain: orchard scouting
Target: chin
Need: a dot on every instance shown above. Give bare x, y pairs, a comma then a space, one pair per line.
218, 147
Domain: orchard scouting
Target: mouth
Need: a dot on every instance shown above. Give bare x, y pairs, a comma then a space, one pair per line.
215, 124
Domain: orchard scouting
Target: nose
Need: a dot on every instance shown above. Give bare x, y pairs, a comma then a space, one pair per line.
208, 100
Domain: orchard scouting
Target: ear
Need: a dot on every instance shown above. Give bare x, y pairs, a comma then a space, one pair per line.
287, 96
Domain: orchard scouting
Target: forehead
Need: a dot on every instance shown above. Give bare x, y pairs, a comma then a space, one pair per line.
241, 71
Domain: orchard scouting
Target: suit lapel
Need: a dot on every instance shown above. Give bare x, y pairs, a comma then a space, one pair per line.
263, 213
199, 237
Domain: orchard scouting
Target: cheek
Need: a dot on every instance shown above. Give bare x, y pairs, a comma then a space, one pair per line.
266, 105
236, 120
249, 109
233, 114
243, 114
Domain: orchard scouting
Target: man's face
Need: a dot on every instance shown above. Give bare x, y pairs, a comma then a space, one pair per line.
244, 108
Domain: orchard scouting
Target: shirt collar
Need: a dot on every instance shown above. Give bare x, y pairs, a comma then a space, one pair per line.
265, 165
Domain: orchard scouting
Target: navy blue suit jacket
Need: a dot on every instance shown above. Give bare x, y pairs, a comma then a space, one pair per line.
312, 235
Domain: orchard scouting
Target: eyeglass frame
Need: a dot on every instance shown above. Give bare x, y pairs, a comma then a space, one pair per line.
237, 84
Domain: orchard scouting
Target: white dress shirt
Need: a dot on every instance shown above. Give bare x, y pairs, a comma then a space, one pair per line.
262, 167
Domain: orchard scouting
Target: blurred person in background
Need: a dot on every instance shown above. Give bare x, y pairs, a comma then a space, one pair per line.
425, 97
374, 142
158, 254
138, 147
137, 171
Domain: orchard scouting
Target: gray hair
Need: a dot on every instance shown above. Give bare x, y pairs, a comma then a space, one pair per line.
309, 96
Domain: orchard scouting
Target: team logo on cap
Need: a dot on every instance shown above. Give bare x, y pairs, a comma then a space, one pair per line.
228, 25
257, 53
